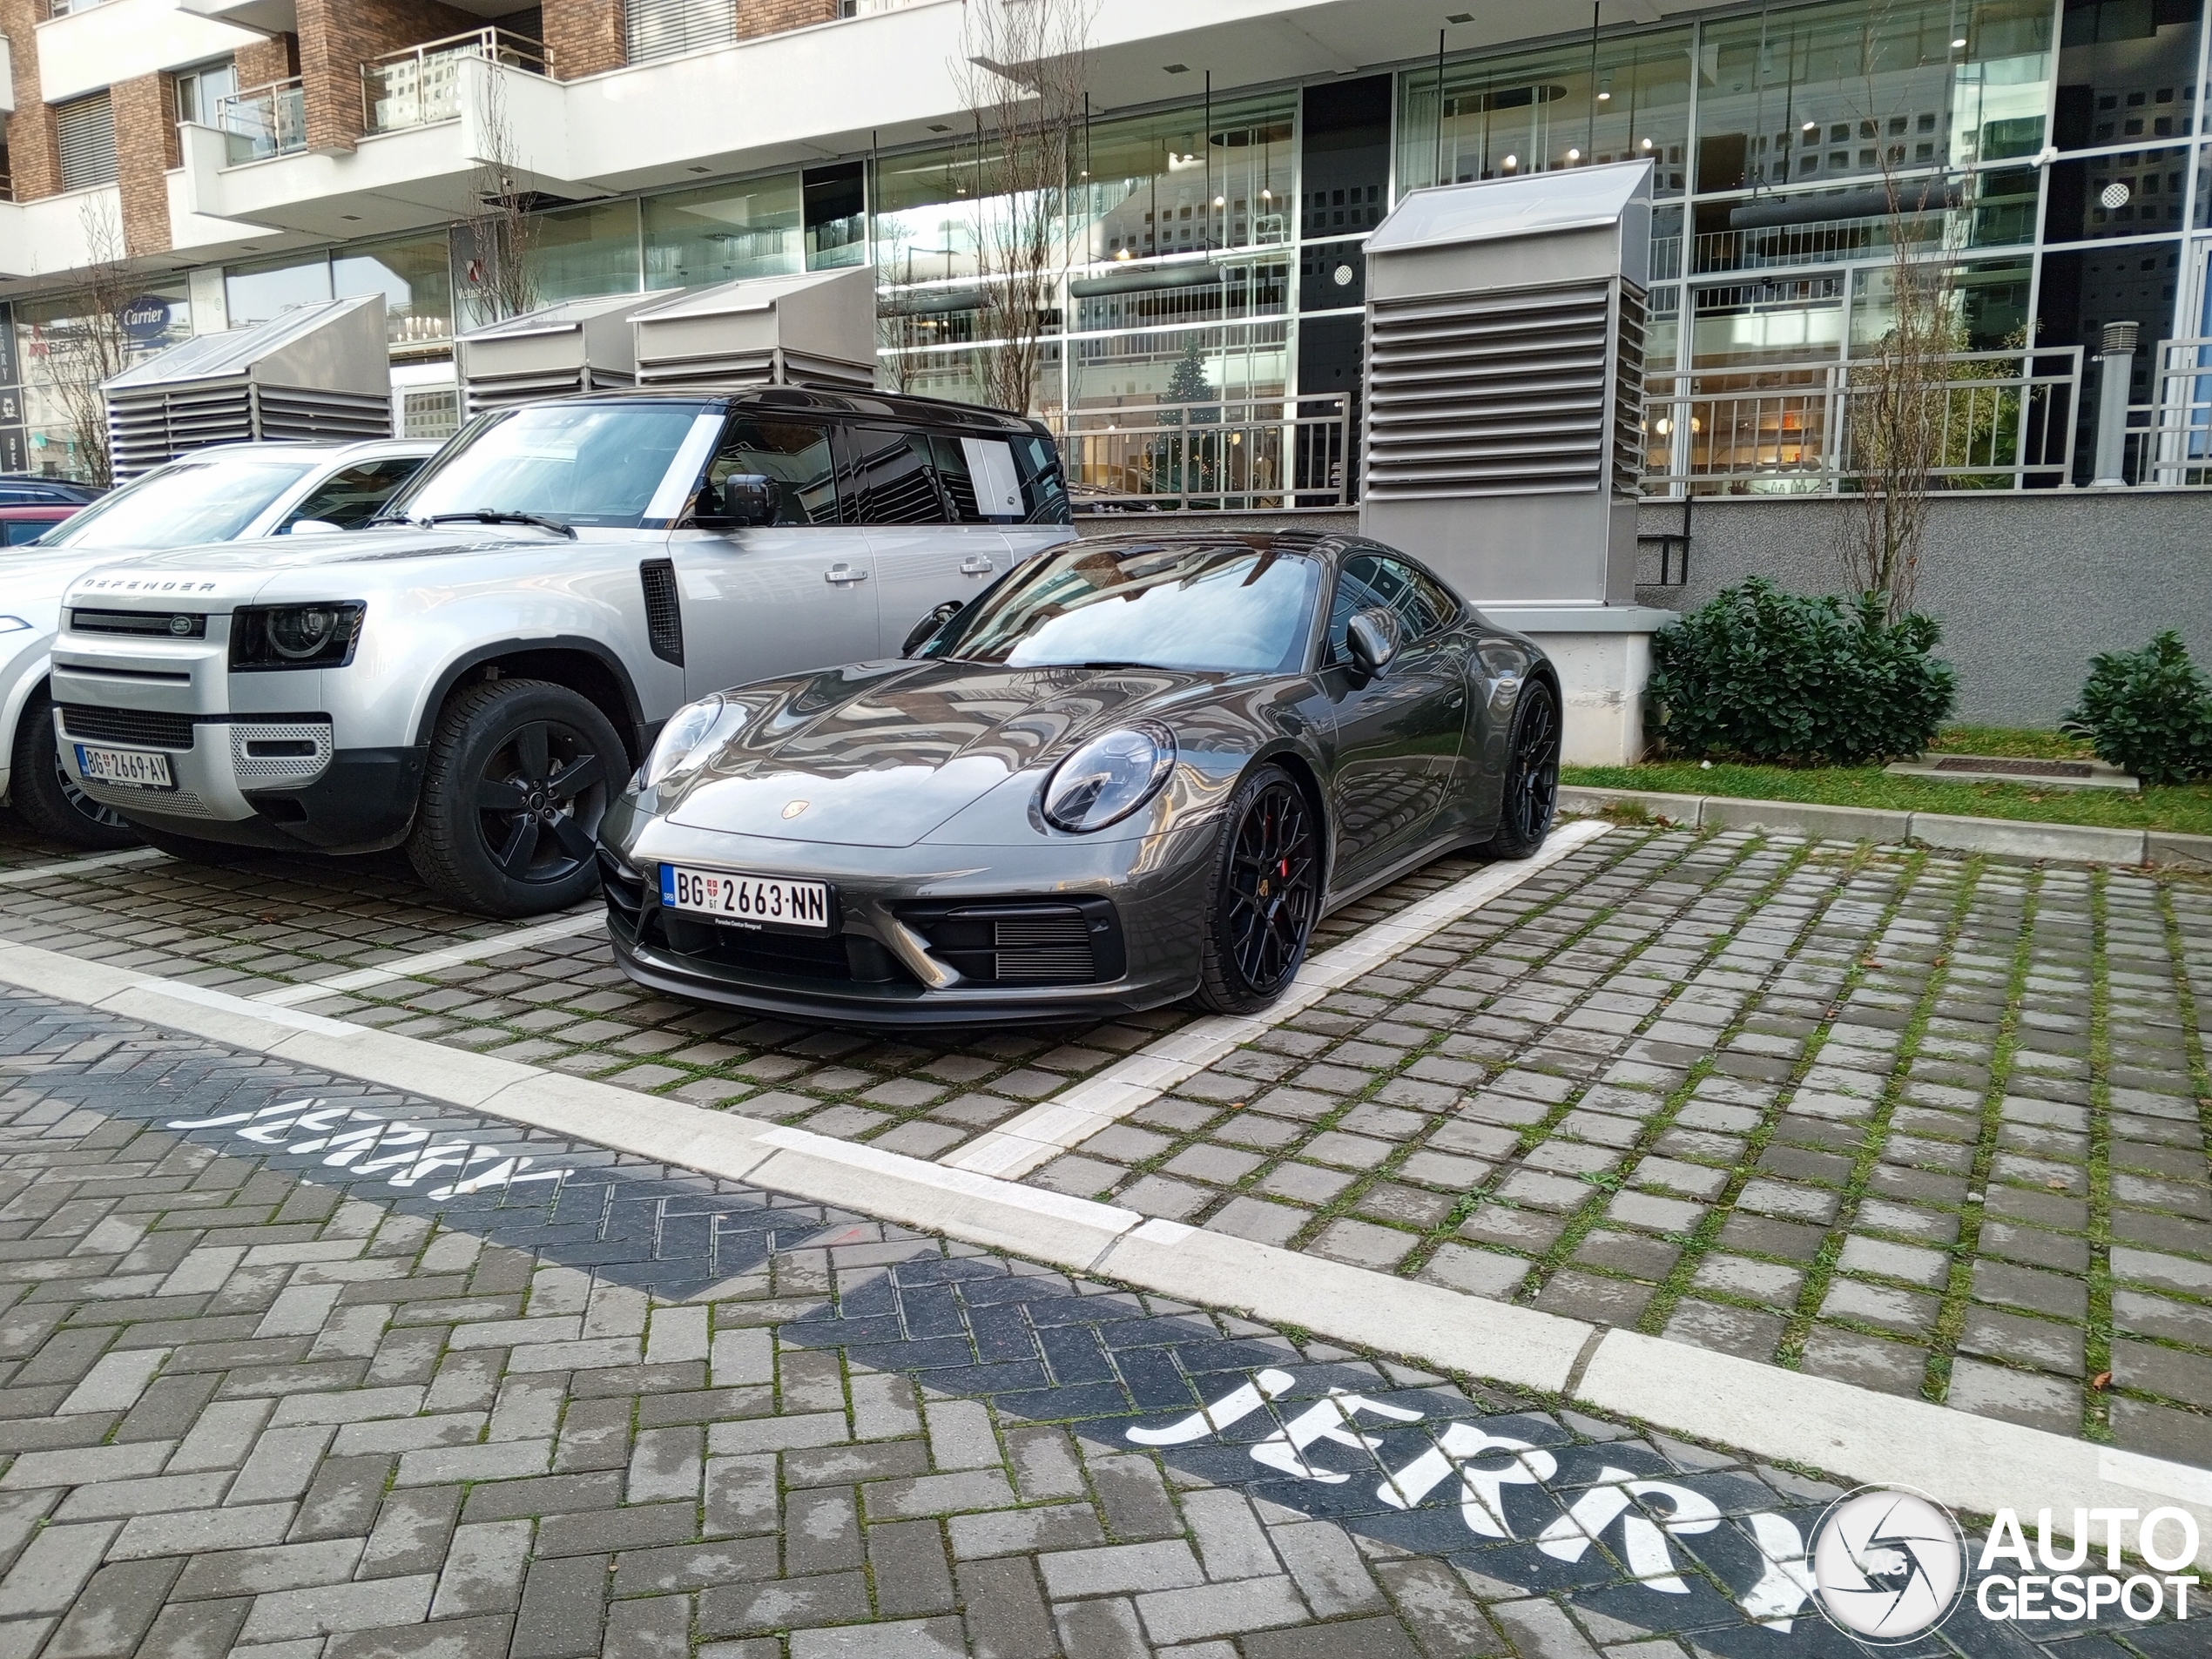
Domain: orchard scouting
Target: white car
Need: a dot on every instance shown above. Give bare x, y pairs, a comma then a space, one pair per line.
474, 677
232, 492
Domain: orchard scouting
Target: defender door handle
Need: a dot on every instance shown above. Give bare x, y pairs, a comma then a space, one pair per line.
844, 575
976, 564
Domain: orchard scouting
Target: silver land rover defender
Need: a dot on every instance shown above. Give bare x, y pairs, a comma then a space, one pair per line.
473, 676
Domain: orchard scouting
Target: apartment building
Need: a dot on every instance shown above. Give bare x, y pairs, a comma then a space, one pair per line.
235, 157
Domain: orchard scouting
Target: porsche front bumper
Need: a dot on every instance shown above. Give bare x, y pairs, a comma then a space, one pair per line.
1071, 931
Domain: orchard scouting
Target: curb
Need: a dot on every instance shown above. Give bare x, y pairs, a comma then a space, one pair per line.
2009, 837
1979, 1465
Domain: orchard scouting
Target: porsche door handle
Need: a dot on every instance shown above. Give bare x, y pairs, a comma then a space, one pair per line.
976, 564
844, 575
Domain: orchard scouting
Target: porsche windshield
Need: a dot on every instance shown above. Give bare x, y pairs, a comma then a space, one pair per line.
581, 463
1222, 608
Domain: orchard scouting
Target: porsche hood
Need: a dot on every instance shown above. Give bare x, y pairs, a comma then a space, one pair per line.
883, 754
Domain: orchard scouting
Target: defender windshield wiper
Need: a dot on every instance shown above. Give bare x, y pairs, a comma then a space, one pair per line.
486, 516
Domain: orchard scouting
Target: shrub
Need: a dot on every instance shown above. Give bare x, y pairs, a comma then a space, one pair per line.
1774, 676
2149, 711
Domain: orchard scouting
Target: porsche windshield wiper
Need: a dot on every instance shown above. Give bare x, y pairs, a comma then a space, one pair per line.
489, 516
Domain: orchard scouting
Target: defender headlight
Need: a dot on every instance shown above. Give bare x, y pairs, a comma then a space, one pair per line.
1108, 778
686, 732
316, 636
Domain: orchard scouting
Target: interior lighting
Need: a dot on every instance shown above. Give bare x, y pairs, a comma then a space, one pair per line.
1511, 161
1574, 155
1605, 97
1960, 44
1647, 143
1810, 126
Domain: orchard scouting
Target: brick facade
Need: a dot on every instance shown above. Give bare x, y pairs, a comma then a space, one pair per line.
145, 145
265, 61
337, 36
584, 37
32, 162
774, 16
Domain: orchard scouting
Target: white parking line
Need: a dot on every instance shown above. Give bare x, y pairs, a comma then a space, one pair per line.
1074, 1115
74, 867
430, 961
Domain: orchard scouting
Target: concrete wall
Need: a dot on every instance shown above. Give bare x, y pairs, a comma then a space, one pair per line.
2028, 586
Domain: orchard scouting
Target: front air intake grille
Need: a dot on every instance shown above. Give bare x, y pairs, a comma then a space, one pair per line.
167, 624
128, 725
624, 887
1075, 942
664, 610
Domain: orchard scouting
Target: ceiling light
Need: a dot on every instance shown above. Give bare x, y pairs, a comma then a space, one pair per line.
1574, 155
1960, 44
939, 126
1221, 201
1605, 97
1177, 69
1512, 162
1647, 143
1810, 126
1459, 17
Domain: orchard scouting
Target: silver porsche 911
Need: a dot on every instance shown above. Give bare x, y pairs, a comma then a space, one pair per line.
1135, 769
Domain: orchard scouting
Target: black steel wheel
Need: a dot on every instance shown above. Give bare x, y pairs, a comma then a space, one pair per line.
1266, 894
519, 775
1531, 794
46, 794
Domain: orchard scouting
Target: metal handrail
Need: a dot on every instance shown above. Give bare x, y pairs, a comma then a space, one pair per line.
2007, 421
1232, 455
2169, 438
419, 85
264, 121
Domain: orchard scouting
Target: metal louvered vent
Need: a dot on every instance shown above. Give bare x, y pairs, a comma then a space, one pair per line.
505, 391
1043, 950
664, 610
1627, 394
667, 28
1490, 393
84, 135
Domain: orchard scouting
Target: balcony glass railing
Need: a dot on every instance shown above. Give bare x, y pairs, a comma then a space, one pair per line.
264, 121
421, 85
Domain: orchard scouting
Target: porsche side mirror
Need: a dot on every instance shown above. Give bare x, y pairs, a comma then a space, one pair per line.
925, 629
1372, 638
750, 498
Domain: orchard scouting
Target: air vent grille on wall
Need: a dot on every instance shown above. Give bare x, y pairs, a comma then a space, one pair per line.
664, 610
503, 391
1489, 394
1628, 394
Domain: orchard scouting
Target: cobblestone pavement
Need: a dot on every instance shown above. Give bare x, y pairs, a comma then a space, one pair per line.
470, 1390
1936, 1126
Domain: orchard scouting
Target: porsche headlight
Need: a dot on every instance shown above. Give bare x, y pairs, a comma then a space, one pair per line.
1108, 778
686, 731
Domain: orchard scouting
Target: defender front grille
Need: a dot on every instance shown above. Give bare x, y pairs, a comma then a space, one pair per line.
1075, 942
664, 610
142, 726
179, 624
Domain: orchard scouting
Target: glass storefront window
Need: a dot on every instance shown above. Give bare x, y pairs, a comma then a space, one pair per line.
1987, 301
580, 251
1501, 117
2127, 70
1852, 91
415, 278
256, 293
724, 233
1784, 319
1166, 183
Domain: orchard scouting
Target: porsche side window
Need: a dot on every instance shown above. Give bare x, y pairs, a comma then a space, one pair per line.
891, 480
796, 453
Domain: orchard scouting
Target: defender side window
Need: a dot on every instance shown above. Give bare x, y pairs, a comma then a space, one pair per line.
892, 480
979, 478
796, 453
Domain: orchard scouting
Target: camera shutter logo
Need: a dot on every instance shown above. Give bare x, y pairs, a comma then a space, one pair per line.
1890, 1564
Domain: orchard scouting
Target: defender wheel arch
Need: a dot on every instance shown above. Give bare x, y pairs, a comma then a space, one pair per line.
582, 666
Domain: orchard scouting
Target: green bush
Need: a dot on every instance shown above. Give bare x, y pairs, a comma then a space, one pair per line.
1774, 676
2149, 711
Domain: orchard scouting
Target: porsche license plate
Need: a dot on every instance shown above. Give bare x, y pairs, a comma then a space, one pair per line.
761, 900
132, 766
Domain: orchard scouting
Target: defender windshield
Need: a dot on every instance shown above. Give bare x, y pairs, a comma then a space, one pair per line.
580, 463
1225, 607
187, 501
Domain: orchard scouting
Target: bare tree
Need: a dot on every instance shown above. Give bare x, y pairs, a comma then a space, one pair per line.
501, 226
1023, 74
86, 346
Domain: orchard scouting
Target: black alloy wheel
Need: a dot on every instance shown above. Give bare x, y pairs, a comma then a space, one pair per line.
533, 796
1267, 895
1531, 794
519, 774
46, 794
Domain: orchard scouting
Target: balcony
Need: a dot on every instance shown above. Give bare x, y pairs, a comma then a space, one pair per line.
264, 121
421, 85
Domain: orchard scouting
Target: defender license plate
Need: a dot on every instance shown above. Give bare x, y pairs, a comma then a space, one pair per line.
757, 900
132, 767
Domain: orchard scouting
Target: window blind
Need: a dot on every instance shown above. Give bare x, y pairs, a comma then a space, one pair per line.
86, 133
665, 27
